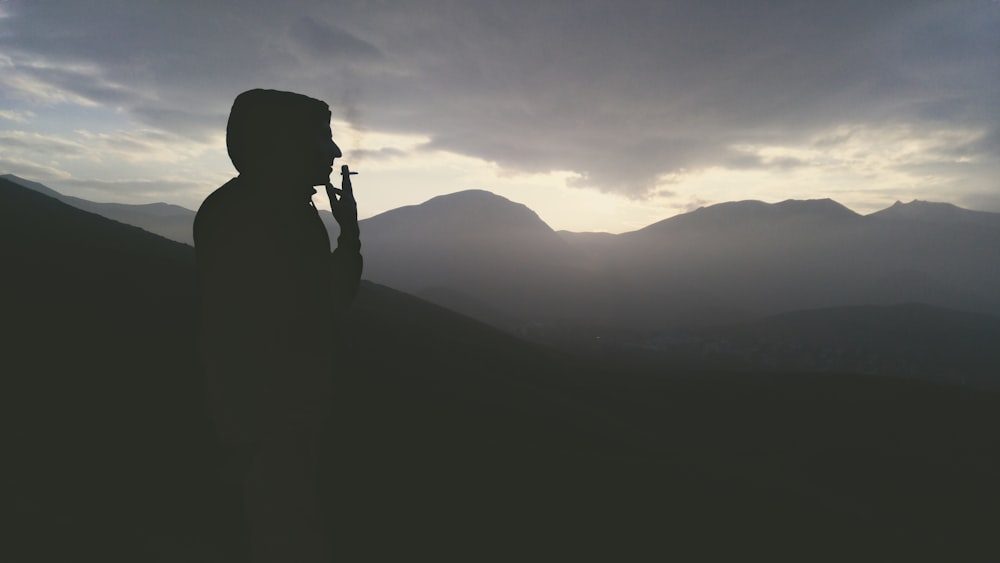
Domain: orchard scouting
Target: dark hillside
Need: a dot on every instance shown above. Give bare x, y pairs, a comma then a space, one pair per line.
167, 220
453, 441
100, 382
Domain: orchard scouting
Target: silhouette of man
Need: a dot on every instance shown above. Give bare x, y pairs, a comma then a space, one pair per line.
271, 289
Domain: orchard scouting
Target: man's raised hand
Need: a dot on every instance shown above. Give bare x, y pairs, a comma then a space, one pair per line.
342, 202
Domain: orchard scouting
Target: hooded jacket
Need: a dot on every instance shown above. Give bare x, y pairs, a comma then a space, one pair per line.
270, 286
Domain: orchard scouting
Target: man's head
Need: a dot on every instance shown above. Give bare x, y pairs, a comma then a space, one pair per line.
282, 136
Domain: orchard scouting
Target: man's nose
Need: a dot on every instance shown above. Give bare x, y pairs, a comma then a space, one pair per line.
335, 150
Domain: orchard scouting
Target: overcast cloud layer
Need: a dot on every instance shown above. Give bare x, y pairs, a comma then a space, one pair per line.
627, 96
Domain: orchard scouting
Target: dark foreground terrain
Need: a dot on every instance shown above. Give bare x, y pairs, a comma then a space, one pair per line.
450, 440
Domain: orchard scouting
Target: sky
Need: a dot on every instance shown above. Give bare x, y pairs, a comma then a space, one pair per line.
599, 115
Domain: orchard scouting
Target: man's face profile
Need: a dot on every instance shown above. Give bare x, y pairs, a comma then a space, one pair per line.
327, 150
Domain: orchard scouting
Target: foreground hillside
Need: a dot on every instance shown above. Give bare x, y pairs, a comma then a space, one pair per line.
453, 441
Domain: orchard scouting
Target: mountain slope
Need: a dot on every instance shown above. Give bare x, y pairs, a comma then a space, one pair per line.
170, 221
941, 213
474, 243
752, 214
743, 260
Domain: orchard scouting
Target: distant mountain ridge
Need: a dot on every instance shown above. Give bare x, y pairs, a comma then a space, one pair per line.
460, 211
937, 213
167, 220
482, 254
478, 245
723, 263
737, 213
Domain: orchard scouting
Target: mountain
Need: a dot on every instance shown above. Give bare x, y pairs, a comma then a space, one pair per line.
752, 214
167, 220
474, 245
939, 213
451, 438
752, 259
725, 263
486, 256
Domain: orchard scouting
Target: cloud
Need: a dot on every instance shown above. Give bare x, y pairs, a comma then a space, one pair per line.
384, 153
322, 40
33, 170
139, 190
142, 145
194, 125
47, 82
78, 83
17, 116
627, 96
871, 150
12, 141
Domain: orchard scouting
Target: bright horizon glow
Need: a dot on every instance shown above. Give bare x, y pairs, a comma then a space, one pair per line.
395, 171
